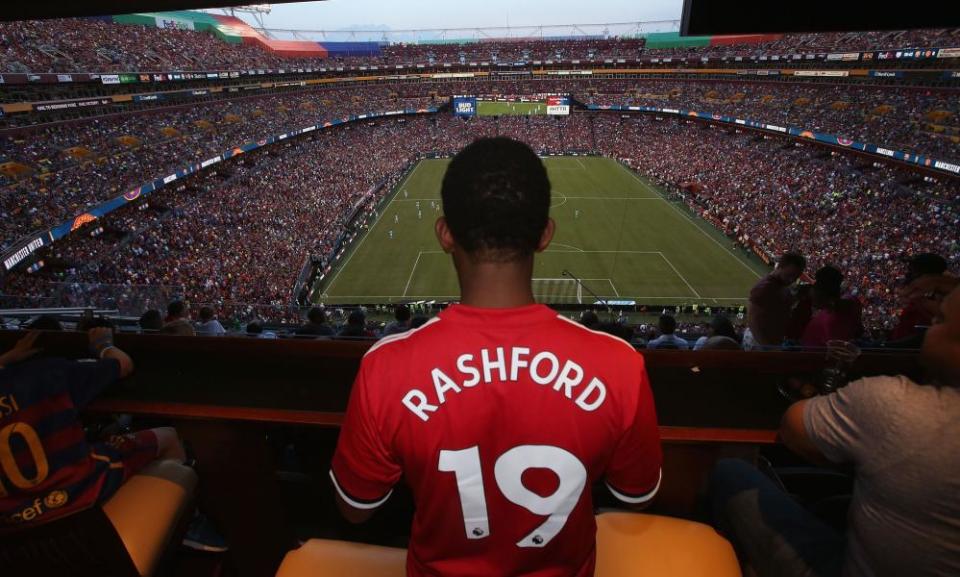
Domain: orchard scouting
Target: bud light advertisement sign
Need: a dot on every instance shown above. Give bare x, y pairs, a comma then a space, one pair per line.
464, 106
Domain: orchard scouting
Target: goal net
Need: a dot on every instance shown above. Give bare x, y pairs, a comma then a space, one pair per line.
557, 291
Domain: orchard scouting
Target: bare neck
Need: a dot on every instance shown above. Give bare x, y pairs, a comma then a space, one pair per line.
495, 285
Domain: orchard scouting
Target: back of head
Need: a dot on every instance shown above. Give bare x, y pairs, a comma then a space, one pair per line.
46, 323
941, 344
357, 317
721, 326
176, 309
827, 283
589, 319
924, 264
401, 313
667, 324
151, 320
793, 259
206, 314
317, 316
496, 199
254, 328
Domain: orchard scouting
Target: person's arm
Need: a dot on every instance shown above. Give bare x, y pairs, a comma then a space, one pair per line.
21, 351
363, 470
101, 343
634, 473
793, 434
832, 429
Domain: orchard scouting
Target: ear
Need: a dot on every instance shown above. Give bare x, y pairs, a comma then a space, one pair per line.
547, 235
444, 236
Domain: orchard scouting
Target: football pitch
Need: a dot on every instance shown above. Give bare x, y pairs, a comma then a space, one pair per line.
614, 230
488, 108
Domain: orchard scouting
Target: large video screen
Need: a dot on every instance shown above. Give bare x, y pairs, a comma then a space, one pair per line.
541, 104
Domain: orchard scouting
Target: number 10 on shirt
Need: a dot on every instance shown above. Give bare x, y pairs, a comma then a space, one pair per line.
508, 472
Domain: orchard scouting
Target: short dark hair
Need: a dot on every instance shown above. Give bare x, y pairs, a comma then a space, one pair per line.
254, 328
46, 323
667, 324
496, 199
206, 314
793, 259
927, 263
723, 327
317, 316
176, 308
357, 317
828, 281
401, 313
151, 320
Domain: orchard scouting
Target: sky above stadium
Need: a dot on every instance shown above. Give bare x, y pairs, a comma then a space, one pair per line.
421, 14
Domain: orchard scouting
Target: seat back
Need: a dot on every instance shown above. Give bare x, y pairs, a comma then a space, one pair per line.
628, 545
631, 544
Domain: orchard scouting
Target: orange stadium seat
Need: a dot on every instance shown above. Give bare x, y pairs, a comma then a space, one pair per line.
141, 520
628, 545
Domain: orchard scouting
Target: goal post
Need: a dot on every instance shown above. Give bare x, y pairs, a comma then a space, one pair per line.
557, 291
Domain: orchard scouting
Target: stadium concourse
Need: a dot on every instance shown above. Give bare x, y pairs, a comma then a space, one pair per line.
238, 235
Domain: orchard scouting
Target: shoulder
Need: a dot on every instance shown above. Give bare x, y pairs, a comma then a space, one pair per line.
398, 344
600, 341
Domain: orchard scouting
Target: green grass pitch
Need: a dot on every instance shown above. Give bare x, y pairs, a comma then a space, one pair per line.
614, 230
486, 108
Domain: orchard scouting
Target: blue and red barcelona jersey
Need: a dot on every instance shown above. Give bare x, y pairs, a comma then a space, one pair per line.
47, 468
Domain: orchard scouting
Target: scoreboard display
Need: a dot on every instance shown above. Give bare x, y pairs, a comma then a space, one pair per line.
503, 105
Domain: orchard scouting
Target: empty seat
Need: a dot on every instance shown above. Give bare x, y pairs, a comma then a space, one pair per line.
628, 545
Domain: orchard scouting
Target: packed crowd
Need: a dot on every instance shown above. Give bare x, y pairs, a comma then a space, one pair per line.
77, 45
912, 120
776, 196
95, 160
769, 195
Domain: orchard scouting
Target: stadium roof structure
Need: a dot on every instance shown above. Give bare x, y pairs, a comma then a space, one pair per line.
60, 9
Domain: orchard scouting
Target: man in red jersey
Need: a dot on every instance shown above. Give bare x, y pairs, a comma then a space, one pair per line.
499, 413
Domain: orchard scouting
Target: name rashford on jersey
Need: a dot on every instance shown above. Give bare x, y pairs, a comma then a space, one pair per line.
500, 420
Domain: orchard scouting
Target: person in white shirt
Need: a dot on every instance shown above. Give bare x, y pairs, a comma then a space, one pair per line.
209, 326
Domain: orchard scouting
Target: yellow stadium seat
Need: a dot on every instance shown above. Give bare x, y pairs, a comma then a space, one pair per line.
148, 508
320, 557
633, 544
628, 545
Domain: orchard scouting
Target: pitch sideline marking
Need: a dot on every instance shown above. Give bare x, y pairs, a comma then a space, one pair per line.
703, 232
689, 286
415, 263
326, 292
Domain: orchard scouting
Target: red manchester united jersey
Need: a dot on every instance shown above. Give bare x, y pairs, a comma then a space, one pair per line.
500, 420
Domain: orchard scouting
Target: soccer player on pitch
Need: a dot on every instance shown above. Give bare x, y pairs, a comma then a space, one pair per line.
499, 413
